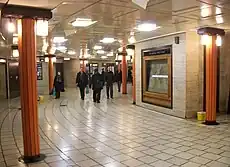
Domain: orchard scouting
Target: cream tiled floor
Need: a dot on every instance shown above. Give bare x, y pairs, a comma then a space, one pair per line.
113, 133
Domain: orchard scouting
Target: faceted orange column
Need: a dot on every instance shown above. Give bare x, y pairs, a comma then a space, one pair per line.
28, 88
50, 64
134, 80
211, 81
124, 72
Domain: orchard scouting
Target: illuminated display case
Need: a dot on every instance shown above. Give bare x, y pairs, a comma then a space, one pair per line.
157, 76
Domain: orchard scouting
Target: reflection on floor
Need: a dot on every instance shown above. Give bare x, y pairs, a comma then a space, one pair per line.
113, 133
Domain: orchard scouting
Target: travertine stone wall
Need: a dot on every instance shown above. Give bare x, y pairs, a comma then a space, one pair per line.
187, 73
43, 85
71, 68
179, 73
194, 74
224, 72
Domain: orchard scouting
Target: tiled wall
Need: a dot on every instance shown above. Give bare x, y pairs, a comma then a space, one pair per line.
224, 72
179, 73
43, 85
187, 73
194, 74
71, 68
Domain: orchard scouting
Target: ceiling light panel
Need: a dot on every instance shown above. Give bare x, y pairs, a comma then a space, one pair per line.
108, 40
83, 22
97, 47
59, 39
100, 52
147, 27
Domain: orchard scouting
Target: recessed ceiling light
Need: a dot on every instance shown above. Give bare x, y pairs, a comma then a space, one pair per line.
104, 57
147, 27
66, 58
71, 52
82, 22
110, 54
62, 48
96, 47
107, 40
59, 39
100, 52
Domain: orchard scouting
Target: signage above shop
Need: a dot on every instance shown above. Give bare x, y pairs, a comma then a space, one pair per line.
157, 51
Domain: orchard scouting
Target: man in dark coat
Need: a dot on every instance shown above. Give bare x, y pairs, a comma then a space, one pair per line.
109, 78
97, 86
119, 79
103, 76
82, 82
58, 84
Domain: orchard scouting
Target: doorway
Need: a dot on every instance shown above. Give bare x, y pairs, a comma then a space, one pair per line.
14, 88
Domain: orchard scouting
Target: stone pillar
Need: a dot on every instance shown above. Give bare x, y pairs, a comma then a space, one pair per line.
124, 72
50, 64
28, 88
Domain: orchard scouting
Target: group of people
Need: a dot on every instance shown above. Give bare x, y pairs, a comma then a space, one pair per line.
97, 81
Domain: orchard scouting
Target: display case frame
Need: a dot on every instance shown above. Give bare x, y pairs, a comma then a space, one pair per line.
157, 98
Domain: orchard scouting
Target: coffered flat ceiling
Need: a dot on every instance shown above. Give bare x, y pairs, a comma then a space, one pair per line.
116, 18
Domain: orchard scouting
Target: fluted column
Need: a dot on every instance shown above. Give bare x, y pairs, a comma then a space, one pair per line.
28, 88
211, 81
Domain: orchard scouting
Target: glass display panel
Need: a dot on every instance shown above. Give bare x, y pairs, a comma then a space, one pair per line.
157, 76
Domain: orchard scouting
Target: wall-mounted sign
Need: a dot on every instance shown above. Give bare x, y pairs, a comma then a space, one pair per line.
157, 51
157, 76
39, 71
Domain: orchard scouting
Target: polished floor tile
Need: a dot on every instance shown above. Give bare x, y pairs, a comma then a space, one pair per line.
114, 133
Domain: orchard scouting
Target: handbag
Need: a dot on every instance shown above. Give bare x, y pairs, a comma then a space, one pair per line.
54, 92
87, 90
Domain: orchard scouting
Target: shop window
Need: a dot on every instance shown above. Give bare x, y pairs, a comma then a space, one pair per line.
157, 76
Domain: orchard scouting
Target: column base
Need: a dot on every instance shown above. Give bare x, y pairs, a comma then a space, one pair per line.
32, 159
134, 103
124, 93
211, 123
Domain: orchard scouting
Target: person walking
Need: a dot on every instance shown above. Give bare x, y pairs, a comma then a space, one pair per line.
119, 79
109, 78
82, 82
103, 76
97, 86
58, 84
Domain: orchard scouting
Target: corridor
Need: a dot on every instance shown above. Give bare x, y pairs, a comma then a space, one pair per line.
113, 133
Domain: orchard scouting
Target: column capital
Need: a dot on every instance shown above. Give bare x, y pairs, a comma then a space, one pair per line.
210, 31
18, 11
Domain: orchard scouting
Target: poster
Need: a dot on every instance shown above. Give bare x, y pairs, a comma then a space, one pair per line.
39, 71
